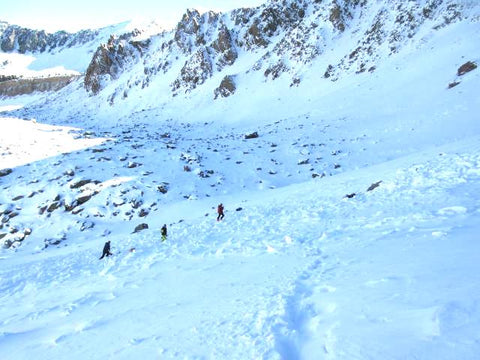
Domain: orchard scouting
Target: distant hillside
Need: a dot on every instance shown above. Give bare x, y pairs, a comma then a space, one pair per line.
48, 60
15, 38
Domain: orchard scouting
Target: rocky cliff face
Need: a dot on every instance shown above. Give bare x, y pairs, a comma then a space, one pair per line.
111, 59
282, 36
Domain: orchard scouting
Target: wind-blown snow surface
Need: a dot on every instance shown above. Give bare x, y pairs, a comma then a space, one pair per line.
298, 269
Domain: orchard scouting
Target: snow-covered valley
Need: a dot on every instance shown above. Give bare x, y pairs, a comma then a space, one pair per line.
351, 223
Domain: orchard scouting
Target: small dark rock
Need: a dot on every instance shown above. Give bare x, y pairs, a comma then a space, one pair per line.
374, 185
77, 211
132, 165
12, 214
453, 84
350, 196
79, 184
467, 67
5, 172
141, 227
136, 203
253, 135
53, 206
83, 199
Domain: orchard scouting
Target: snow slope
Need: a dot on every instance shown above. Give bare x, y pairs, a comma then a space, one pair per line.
351, 228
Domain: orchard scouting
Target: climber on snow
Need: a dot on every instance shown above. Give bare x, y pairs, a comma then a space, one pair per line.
221, 215
164, 232
106, 250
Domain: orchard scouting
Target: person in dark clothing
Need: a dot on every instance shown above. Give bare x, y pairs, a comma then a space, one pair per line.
221, 215
164, 232
106, 250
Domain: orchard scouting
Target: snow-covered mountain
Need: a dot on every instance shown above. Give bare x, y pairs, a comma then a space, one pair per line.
36, 54
342, 137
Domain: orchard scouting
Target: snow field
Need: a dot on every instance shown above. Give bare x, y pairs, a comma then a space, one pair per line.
300, 272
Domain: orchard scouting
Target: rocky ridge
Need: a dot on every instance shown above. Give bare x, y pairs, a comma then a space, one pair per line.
284, 37
14, 38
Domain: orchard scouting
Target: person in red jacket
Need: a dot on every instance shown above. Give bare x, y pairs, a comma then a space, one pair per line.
221, 215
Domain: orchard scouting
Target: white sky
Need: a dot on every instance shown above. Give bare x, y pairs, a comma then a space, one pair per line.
54, 15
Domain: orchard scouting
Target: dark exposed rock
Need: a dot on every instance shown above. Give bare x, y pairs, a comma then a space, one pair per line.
83, 199
467, 67
13, 214
453, 84
195, 71
225, 48
110, 60
53, 206
133, 164
274, 71
374, 185
7, 244
136, 203
206, 174
350, 196
163, 188
143, 213
338, 16
227, 87
141, 227
80, 183
187, 31
5, 172
253, 135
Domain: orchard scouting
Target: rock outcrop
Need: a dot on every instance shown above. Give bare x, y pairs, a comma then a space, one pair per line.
227, 87
111, 59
